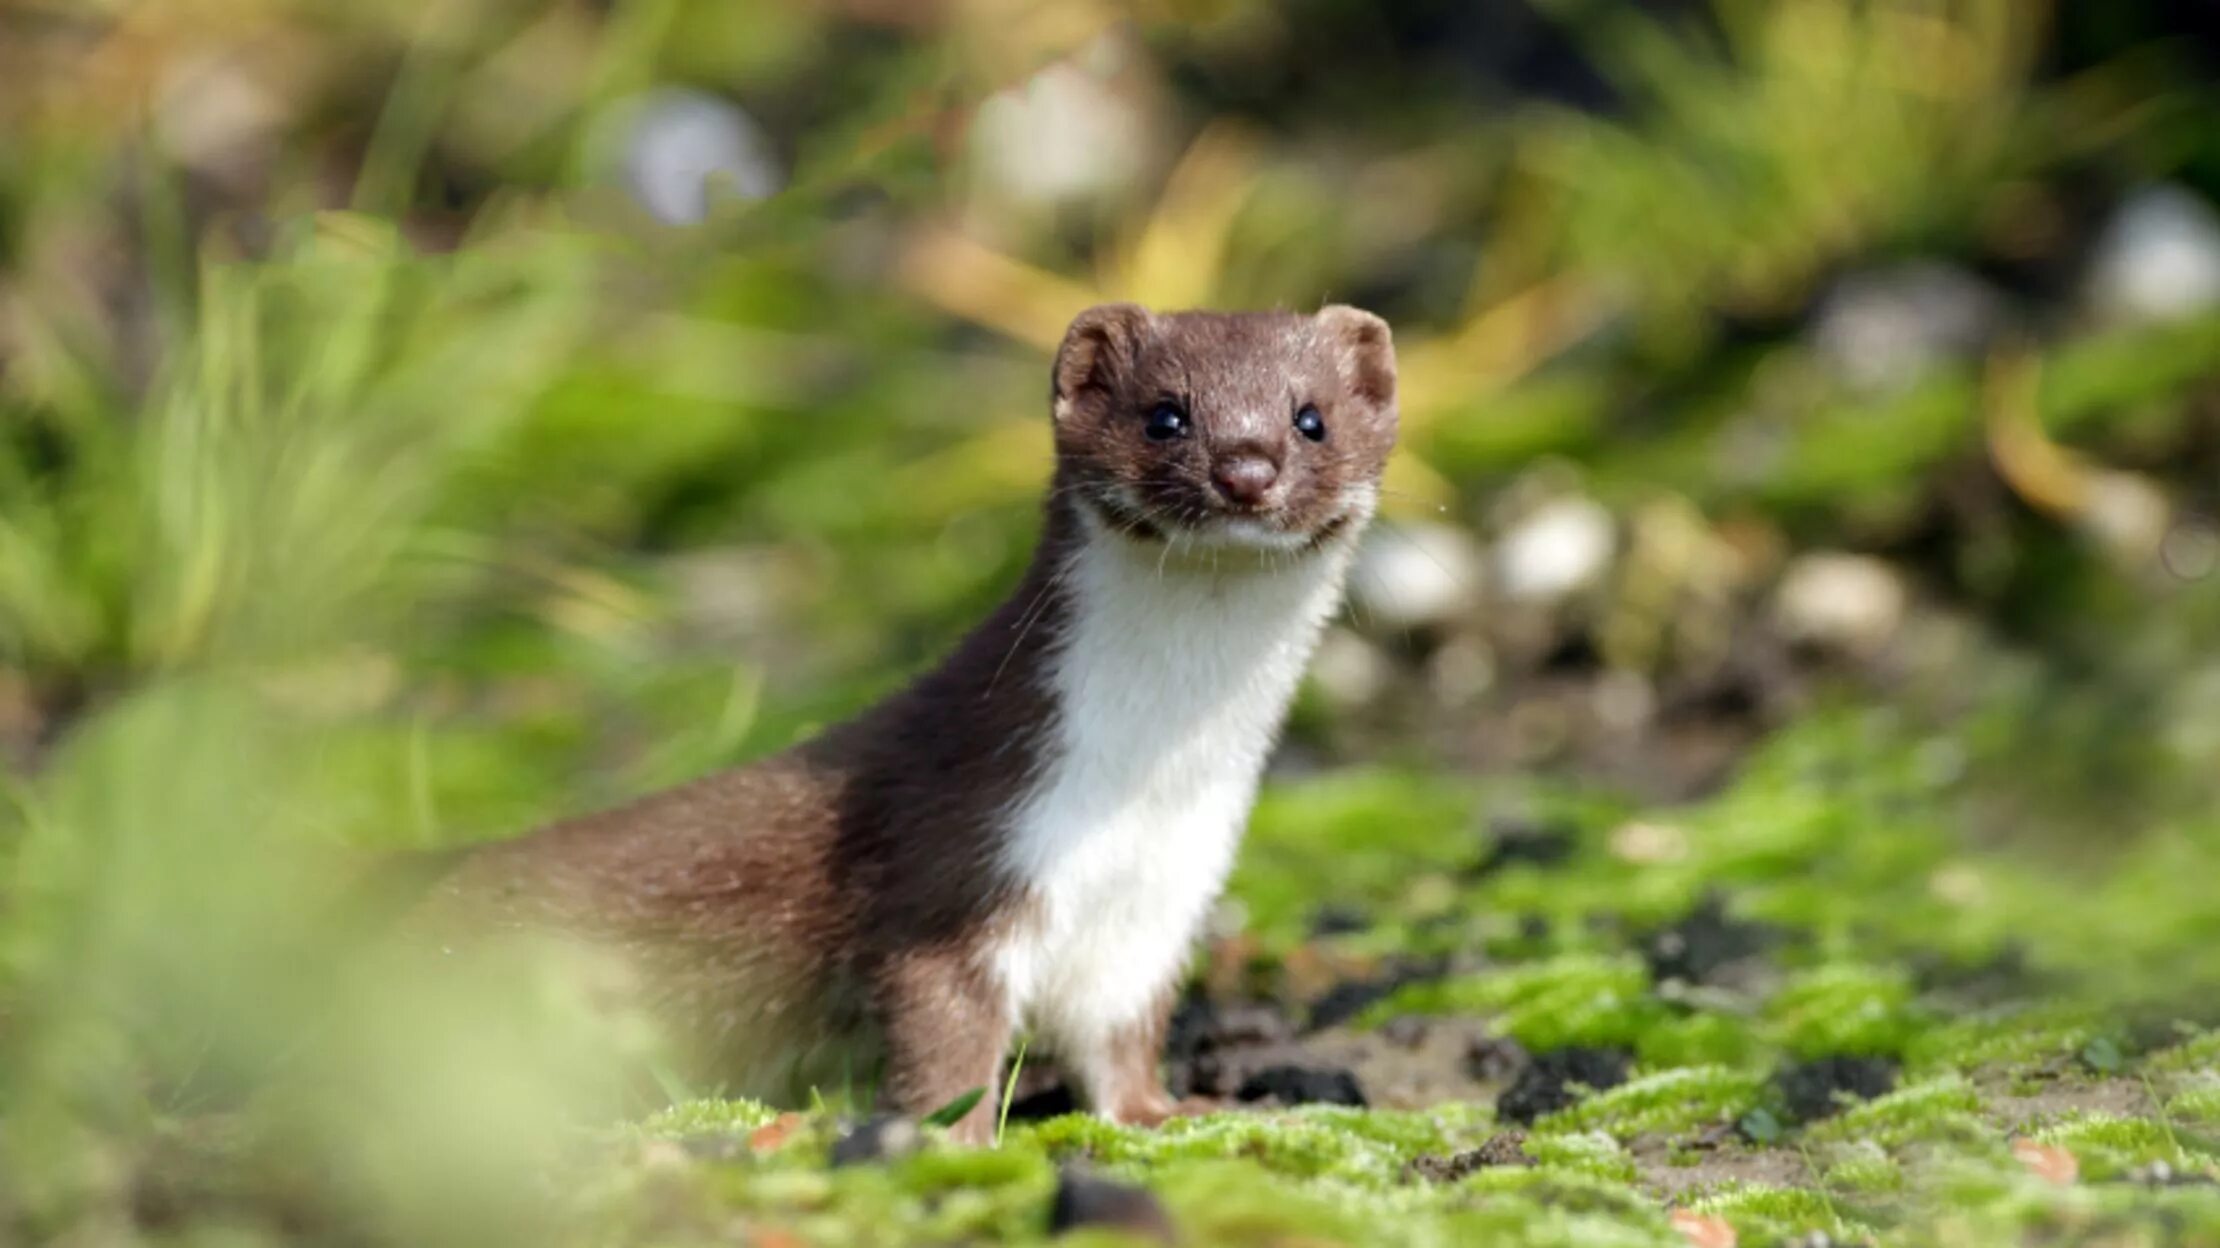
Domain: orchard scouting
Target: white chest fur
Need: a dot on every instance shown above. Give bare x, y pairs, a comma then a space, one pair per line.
1171, 684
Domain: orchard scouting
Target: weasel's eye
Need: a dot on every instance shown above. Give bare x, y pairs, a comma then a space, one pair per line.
1166, 422
1310, 424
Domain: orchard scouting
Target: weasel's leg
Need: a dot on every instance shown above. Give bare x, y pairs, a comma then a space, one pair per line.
1118, 1067
946, 1029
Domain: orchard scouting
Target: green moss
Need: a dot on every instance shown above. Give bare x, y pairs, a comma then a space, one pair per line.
2013, 1036
1358, 837
1862, 1167
1578, 999
1568, 1187
1701, 1038
708, 1117
1771, 1214
2199, 1053
1663, 1102
2108, 1146
1844, 1008
1322, 1142
1940, 1108
1591, 1153
2199, 1105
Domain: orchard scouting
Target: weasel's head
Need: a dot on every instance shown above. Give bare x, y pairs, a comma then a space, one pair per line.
1266, 430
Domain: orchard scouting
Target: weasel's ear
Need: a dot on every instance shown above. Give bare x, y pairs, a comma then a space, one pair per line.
1366, 351
1101, 343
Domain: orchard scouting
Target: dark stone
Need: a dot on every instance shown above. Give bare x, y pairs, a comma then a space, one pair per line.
1695, 948
1495, 1059
1405, 1030
1207, 1046
1335, 920
1303, 1085
1083, 1200
1348, 999
1352, 997
1818, 1089
1505, 1149
880, 1138
1558, 1079
1515, 840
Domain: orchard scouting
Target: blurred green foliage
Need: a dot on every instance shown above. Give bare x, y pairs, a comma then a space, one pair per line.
376, 471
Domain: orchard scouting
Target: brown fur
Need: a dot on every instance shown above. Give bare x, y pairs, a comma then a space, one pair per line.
798, 920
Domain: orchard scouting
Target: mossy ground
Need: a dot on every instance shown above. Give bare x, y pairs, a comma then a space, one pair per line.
2038, 1096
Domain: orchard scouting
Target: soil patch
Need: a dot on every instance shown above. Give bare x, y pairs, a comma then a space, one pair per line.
1506, 1149
1819, 1089
1558, 1079
1707, 947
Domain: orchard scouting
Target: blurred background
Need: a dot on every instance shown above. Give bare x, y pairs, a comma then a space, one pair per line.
421, 420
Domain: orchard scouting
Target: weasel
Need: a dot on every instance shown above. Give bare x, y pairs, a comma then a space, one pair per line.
1030, 835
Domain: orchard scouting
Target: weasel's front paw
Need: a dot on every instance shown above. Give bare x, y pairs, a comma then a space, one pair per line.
1159, 1108
1197, 1106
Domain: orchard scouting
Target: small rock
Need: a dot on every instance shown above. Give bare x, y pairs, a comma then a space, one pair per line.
1696, 948
1083, 1200
677, 149
1848, 603
879, 1138
1348, 999
1415, 576
1351, 997
2158, 259
1348, 670
1881, 329
2126, 515
1648, 844
1461, 671
1069, 132
1562, 547
1555, 1080
1818, 1089
1495, 1059
2191, 549
1516, 840
1407, 1031
1338, 920
1303, 1085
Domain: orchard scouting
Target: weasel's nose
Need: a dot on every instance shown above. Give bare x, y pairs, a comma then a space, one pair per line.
1244, 480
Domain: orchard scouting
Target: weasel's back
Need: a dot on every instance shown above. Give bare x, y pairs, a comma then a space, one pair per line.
709, 908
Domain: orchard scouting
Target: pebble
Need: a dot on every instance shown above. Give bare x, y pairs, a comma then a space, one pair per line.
1843, 602
1067, 133
1415, 575
1562, 547
2158, 259
1082, 1200
676, 150
879, 1138
1350, 671
1883, 328
1303, 1085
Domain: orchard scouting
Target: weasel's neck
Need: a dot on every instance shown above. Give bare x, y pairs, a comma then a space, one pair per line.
1170, 676
1125, 691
